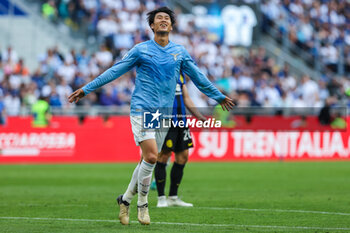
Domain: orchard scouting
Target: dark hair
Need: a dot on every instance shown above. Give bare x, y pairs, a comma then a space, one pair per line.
152, 14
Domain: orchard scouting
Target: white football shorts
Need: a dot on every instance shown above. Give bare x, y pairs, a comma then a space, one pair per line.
141, 134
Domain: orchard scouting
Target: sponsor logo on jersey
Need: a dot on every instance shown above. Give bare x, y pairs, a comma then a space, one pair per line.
169, 143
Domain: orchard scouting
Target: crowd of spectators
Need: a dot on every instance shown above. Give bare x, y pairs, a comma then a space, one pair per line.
321, 27
249, 76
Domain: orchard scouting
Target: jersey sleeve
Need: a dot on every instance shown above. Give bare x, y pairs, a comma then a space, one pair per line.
118, 69
199, 79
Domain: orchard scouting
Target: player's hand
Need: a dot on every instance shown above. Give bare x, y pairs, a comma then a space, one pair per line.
227, 104
76, 96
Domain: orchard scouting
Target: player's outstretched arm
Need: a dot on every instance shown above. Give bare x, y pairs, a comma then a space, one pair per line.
112, 73
76, 96
227, 104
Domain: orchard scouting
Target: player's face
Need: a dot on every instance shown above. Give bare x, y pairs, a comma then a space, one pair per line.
162, 23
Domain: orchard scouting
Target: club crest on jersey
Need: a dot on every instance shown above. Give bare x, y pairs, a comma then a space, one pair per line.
175, 55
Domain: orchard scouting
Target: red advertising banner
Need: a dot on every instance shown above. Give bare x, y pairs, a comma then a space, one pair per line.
67, 140
270, 145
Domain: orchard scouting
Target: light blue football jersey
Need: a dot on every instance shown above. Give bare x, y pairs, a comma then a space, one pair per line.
157, 71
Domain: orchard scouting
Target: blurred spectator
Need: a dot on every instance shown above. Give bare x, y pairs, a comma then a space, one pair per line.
2, 111
20, 69
54, 98
123, 40
49, 10
329, 56
63, 91
12, 103
29, 95
9, 55
299, 102
325, 114
309, 90
67, 72
41, 113
108, 97
107, 26
63, 10
339, 122
104, 57
245, 82
227, 83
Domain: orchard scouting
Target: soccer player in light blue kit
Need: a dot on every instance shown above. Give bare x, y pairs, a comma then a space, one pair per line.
158, 63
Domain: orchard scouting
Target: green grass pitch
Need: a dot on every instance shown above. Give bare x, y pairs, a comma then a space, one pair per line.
227, 197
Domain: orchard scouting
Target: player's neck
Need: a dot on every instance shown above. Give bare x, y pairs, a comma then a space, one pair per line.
161, 39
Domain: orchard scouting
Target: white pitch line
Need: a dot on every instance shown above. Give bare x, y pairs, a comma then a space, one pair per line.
201, 207
184, 224
46, 205
59, 219
276, 210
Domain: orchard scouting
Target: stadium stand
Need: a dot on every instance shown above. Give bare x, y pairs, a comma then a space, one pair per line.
320, 28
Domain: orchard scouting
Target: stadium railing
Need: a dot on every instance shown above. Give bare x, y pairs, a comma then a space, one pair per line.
125, 110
